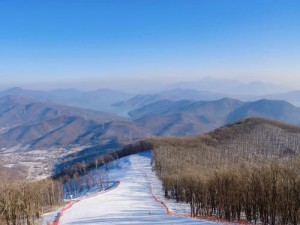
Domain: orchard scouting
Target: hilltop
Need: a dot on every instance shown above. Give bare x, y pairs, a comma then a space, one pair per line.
235, 170
252, 140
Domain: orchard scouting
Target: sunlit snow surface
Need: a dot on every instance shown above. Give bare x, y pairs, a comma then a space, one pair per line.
131, 202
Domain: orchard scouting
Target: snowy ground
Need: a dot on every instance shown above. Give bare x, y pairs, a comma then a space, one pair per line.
131, 202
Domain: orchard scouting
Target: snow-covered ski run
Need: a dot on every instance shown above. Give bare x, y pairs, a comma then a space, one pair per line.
134, 201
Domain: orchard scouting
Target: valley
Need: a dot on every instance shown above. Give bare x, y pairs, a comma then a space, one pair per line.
41, 140
137, 112
34, 134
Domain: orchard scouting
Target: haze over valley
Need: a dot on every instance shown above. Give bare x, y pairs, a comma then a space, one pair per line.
64, 121
149, 112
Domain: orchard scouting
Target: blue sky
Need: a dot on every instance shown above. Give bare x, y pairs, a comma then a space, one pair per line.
62, 42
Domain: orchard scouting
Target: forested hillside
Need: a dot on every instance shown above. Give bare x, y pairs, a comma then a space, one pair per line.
249, 170
25, 202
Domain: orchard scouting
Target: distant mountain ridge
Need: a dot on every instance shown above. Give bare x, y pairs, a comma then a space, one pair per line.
36, 124
292, 97
120, 102
26, 123
275, 109
100, 99
233, 87
176, 94
189, 117
16, 110
66, 131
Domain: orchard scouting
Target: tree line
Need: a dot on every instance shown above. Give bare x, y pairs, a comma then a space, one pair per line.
245, 171
269, 194
77, 167
24, 202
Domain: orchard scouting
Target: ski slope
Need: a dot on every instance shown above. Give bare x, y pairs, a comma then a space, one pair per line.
131, 202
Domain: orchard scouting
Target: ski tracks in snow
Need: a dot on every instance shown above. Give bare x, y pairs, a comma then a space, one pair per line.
132, 202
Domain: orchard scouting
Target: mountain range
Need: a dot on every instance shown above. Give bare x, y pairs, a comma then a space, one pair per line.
37, 128
30, 124
121, 102
233, 87
291, 96
189, 117
24, 122
100, 99
176, 94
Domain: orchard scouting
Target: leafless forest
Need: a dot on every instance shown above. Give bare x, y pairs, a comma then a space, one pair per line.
24, 202
248, 171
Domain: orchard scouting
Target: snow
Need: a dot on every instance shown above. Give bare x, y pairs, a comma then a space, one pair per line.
51, 216
131, 202
85, 192
11, 165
